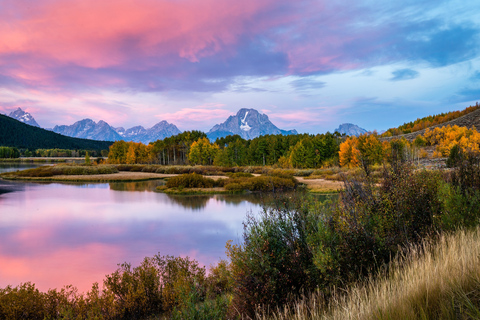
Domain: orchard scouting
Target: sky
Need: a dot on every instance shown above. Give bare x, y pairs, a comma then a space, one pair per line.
310, 65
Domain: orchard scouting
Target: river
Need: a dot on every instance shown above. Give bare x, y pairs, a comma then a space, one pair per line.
56, 234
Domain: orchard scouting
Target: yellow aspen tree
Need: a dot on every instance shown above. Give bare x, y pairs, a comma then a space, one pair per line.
131, 156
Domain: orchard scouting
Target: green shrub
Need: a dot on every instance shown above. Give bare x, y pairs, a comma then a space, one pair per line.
192, 307
23, 302
274, 263
190, 180
261, 183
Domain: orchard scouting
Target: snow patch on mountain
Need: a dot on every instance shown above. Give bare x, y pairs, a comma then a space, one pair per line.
244, 126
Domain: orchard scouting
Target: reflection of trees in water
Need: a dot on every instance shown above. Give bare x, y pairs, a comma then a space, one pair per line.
194, 202
142, 186
198, 202
7, 186
237, 199
269, 199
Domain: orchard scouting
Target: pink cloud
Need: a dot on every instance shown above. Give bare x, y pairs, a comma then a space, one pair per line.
98, 34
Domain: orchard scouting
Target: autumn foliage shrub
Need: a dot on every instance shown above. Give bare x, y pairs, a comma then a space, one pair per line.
302, 244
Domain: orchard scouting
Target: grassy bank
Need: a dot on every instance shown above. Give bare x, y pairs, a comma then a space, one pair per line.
39, 160
235, 176
434, 280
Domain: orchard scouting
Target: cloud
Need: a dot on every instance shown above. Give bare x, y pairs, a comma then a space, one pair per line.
182, 54
303, 84
404, 74
466, 95
203, 46
475, 76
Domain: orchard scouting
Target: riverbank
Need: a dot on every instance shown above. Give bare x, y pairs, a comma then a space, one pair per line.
117, 173
123, 176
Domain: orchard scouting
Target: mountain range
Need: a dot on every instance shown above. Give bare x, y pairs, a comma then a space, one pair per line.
89, 129
247, 123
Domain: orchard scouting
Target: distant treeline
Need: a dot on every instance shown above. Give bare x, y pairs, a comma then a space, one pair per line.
12, 152
8, 152
193, 147
64, 153
14, 133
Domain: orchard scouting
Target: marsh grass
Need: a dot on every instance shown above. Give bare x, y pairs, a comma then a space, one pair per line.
340, 173
434, 280
62, 169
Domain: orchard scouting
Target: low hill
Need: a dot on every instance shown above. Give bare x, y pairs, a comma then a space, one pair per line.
14, 133
429, 121
469, 120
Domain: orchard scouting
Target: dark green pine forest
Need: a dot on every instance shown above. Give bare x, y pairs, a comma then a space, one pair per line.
14, 133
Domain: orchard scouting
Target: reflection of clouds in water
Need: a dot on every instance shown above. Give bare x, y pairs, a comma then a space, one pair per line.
87, 229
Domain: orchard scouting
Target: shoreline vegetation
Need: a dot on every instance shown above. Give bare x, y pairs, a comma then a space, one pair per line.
399, 243
319, 181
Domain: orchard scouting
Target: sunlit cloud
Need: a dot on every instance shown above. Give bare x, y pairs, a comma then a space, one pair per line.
131, 62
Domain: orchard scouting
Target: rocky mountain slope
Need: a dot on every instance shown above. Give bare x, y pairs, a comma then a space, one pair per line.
159, 131
89, 129
247, 123
24, 117
350, 129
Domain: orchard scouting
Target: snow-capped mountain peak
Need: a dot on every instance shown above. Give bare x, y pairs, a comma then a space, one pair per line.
24, 117
247, 123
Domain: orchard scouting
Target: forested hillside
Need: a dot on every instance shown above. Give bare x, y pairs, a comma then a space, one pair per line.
14, 133
426, 122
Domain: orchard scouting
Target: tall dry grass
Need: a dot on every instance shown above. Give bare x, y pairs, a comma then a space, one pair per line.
436, 280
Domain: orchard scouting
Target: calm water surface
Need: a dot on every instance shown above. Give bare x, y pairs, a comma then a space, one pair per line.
54, 234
